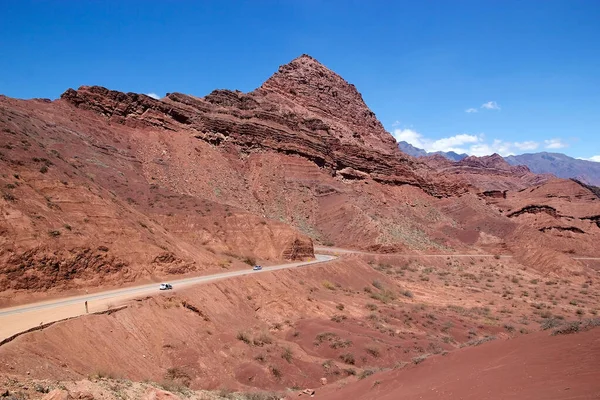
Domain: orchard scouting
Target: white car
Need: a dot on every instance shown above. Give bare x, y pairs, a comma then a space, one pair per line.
165, 286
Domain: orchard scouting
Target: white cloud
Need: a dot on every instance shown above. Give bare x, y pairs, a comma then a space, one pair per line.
452, 143
409, 136
555, 144
490, 105
153, 95
593, 158
497, 146
528, 145
471, 110
476, 145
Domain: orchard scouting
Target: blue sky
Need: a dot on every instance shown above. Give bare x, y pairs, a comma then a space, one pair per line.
528, 71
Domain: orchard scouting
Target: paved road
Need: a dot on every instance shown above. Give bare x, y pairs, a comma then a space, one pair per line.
152, 288
18, 319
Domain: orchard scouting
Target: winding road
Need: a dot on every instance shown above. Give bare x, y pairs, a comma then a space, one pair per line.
20, 318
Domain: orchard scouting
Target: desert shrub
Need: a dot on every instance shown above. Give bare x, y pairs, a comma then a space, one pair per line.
41, 388
43, 169
340, 344
287, 354
277, 326
276, 372
570, 327
259, 396
321, 337
348, 358
371, 306
338, 318
373, 351
8, 196
328, 285
420, 359
249, 260
366, 373
174, 373
385, 296
373, 317
407, 293
576, 326
340, 307
244, 337
477, 342
262, 339
378, 284
176, 380
54, 233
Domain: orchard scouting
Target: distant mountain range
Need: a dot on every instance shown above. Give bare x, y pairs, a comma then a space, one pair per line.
416, 152
557, 164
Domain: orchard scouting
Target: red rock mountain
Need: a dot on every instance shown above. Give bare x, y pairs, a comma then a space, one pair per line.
102, 187
488, 173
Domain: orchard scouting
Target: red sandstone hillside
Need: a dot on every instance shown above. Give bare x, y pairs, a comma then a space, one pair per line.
488, 172
102, 187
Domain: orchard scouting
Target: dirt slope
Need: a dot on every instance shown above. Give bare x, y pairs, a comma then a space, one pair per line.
344, 321
531, 367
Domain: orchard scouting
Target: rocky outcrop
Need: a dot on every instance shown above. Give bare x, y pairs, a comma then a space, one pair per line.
494, 162
299, 249
593, 218
594, 189
488, 173
43, 268
304, 109
573, 229
497, 194
535, 209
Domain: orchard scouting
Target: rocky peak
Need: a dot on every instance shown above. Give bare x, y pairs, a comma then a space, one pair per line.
308, 83
493, 161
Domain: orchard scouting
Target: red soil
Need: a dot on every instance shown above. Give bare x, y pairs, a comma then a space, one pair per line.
536, 366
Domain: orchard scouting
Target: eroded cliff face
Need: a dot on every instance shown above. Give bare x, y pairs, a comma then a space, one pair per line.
304, 109
487, 173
